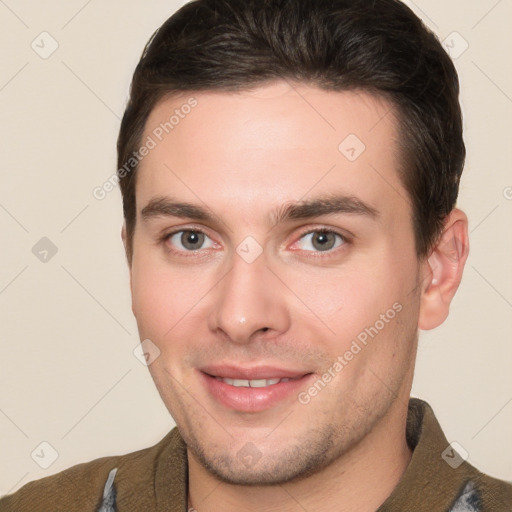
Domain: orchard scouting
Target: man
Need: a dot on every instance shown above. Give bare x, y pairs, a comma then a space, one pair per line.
289, 171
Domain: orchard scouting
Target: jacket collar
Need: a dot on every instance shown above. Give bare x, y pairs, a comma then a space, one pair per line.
436, 478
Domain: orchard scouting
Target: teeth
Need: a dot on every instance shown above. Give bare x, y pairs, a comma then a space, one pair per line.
261, 383
254, 383
238, 383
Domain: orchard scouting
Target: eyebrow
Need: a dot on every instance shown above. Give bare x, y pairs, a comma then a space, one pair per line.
331, 204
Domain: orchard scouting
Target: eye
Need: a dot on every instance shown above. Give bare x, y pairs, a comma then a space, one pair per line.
189, 240
321, 240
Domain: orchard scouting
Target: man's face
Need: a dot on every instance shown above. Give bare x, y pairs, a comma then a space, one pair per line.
250, 294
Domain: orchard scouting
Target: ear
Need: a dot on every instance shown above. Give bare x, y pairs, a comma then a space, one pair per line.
125, 244
442, 271
123, 238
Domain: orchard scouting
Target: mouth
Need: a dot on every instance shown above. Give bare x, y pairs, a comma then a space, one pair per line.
253, 383
253, 389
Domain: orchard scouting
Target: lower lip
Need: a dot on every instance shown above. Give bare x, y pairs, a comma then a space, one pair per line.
253, 399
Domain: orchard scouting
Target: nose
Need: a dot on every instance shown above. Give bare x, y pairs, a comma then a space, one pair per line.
249, 301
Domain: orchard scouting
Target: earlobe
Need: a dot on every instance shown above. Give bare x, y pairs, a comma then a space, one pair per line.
443, 270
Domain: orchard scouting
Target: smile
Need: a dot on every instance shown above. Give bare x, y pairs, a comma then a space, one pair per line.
254, 383
253, 390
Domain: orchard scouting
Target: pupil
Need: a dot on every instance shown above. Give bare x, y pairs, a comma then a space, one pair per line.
191, 238
323, 240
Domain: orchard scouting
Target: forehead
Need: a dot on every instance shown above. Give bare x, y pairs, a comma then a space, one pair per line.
275, 143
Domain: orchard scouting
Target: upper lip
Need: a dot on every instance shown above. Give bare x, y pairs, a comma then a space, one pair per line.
257, 372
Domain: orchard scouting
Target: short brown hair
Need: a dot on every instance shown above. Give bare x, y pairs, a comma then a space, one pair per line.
379, 46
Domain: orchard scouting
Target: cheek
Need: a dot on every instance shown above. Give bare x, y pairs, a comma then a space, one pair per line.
149, 294
152, 296
165, 298
352, 300
333, 306
353, 291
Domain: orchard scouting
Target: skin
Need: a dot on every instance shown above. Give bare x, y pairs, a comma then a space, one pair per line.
242, 155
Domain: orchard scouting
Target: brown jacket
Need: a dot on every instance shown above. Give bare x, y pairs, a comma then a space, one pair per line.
155, 479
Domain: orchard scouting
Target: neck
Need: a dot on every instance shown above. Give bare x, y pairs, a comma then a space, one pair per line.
360, 480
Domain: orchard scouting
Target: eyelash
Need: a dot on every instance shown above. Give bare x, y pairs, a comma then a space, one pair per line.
316, 254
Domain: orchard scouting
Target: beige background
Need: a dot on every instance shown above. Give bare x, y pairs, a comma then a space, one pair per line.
68, 373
